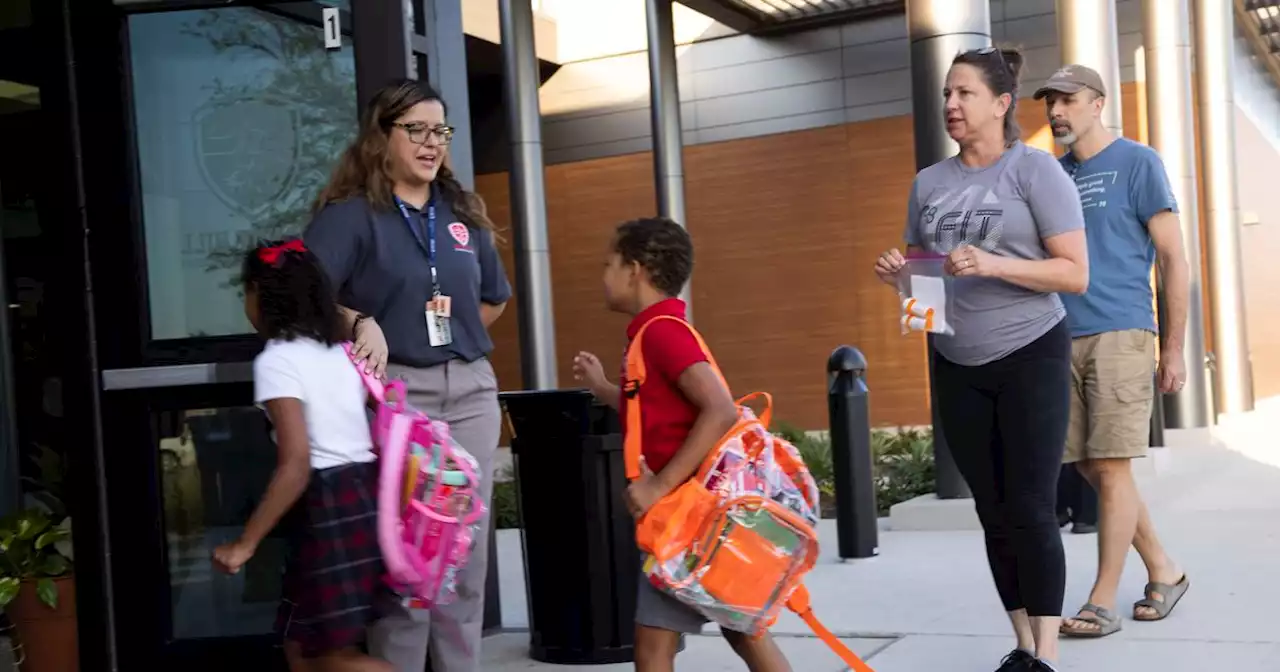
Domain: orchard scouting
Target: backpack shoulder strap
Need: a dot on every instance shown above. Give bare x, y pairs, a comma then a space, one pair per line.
375, 387
635, 376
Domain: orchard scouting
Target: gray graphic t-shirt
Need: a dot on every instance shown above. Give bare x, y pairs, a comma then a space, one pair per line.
1007, 208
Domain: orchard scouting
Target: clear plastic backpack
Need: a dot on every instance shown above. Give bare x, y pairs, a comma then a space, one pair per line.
429, 504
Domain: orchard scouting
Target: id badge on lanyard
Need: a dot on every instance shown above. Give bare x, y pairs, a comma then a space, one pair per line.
439, 307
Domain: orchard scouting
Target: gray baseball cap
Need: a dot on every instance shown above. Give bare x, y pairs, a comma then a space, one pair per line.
1072, 79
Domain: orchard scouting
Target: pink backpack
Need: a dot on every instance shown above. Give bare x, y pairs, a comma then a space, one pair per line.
429, 506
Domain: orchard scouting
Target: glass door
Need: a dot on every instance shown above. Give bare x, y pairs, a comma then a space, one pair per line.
234, 118
239, 114
202, 457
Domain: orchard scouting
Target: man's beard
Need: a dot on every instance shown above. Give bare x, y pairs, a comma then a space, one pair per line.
1066, 140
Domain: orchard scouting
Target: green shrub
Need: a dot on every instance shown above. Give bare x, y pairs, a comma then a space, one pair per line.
904, 467
902, 463
506, 502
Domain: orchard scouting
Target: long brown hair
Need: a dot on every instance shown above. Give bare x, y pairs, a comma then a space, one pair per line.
363, 170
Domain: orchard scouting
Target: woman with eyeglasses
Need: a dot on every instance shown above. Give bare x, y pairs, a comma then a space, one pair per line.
1009, 222
411, 254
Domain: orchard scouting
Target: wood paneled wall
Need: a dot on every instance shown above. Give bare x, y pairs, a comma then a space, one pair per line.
786, 228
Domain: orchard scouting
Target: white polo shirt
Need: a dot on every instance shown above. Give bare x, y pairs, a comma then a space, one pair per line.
332, 394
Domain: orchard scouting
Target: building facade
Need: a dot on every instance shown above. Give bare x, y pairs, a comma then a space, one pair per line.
798, 161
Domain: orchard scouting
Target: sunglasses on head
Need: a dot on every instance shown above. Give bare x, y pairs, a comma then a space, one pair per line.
988, 51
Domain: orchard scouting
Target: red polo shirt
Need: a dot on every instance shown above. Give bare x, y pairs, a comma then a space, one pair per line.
666, 415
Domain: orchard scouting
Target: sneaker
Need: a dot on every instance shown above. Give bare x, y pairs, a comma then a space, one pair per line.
1017, 661
1037, 665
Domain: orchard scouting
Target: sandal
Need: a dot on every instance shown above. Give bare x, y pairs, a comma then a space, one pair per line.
1108, 623
1169, 596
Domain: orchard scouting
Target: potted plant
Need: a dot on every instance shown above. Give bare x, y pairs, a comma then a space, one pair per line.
37, 589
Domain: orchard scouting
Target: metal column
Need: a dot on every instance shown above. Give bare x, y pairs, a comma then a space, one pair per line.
442, 48
1167, 42
938, 30
664, 115
423, 40
1214, 37
381, 43
1087, 36
528, 196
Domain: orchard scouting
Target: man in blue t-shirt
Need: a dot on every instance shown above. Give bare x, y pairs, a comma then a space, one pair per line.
1131, 218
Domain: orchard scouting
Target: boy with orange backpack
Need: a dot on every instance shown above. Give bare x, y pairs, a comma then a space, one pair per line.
687, 410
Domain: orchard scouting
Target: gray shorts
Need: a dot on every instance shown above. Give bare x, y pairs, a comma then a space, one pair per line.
656, 609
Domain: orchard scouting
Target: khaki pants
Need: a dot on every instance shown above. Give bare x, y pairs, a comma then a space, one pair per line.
465, 395
1113, 385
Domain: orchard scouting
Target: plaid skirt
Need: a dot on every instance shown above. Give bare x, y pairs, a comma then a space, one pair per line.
335, 564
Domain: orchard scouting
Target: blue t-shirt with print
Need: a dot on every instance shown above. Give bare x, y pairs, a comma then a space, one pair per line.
1121, 189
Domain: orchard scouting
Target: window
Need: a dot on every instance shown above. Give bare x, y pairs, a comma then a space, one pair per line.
241, 114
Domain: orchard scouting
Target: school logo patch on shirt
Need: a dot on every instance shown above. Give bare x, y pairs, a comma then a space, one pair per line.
460, 234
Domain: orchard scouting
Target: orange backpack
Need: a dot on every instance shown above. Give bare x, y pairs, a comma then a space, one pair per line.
735, 541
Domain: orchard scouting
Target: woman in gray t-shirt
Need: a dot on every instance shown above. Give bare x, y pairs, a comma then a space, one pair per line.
1009, 221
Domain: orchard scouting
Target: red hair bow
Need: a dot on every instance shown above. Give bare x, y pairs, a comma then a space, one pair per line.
271, 255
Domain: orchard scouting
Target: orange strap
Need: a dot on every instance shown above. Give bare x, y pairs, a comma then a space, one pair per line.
799, 603
635, 374
631, 449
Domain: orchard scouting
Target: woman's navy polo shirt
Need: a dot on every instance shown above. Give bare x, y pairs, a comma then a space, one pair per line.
379, 267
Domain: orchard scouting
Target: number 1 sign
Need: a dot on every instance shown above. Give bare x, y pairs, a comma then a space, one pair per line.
332, 29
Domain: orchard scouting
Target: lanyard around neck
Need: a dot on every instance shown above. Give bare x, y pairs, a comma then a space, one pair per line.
430, 243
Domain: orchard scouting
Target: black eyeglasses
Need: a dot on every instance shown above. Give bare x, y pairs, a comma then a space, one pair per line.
418, 133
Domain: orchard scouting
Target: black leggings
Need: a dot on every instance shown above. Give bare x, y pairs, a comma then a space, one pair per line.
1005, 423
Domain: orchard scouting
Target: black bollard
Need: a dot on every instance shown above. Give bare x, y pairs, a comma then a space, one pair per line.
850, 419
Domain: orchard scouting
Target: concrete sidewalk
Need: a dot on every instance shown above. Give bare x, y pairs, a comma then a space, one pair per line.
927, 603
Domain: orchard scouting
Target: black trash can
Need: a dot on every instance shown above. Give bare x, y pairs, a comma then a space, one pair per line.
581, 564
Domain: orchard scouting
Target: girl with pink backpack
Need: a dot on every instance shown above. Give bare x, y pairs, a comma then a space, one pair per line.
327, 470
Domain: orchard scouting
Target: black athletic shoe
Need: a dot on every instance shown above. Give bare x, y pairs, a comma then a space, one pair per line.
1017, 661
1037, 665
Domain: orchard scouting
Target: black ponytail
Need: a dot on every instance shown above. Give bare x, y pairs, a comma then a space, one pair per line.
295, 298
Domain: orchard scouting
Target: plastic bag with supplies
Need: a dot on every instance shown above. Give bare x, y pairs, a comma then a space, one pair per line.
926, 293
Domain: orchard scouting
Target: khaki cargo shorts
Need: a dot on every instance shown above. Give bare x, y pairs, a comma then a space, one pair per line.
1113, 384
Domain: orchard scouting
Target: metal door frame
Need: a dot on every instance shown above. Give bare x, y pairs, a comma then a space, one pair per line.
115, 372
115, 375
